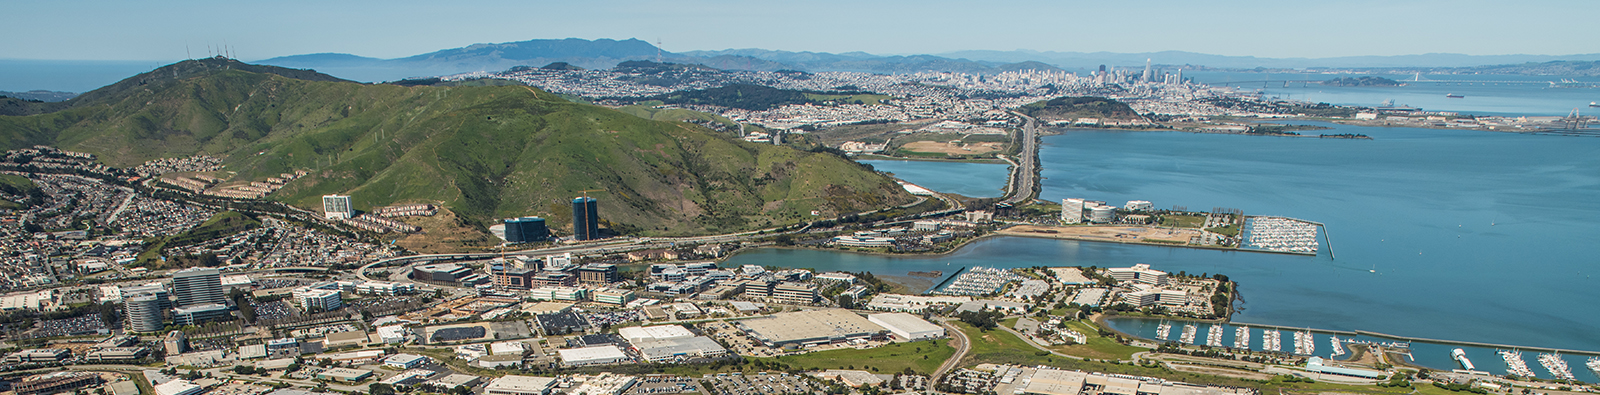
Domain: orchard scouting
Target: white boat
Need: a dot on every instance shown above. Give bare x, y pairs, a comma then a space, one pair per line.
1272, 340
1214, 336
1338, 349
1461, 357
1515, 366
1594, 365
1241, 337
1163, 331
1300, 343
1556, 366
1188, 334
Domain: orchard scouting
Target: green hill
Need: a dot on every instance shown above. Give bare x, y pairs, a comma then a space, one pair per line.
485, 152
1070, 108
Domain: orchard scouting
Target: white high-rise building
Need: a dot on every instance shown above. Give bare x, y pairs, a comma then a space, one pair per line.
1071, 211
337, 207
197, 286
143, 312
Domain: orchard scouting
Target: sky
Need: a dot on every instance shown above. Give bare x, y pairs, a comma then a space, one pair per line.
126, 30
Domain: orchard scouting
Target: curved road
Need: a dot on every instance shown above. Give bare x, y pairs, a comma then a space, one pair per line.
963, 345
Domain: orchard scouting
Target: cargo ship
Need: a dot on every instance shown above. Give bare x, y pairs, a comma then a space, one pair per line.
1461, 357
1453, 96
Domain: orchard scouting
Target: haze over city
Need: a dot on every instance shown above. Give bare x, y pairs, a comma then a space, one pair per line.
113, 30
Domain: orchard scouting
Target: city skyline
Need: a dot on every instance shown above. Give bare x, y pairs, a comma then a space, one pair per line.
117, 31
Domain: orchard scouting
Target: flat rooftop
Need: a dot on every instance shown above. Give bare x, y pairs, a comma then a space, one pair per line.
810, 326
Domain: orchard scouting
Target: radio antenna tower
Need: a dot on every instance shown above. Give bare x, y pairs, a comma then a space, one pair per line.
658, 49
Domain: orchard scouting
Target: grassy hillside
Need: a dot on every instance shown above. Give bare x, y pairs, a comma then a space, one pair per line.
485, 152
1070, 108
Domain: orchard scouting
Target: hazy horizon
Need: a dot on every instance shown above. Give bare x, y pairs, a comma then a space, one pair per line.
100, 30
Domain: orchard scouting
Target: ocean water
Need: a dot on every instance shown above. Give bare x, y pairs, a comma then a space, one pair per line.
1529, 95
1450, 234
68, 76
966, 179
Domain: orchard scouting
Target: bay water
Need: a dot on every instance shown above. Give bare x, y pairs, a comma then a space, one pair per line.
1450, 234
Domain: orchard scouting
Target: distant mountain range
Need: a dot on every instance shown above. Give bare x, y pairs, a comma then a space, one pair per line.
606, 53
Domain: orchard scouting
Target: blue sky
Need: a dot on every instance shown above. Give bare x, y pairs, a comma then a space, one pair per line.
125, 30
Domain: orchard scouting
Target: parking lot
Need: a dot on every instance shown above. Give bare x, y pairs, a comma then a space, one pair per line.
759, 384
652, 385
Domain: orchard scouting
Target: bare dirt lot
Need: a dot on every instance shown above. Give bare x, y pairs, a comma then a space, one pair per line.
958, 148
1113, 233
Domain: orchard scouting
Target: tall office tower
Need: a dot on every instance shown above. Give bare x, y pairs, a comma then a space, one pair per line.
1147, 70
196, 286
337, 207
1102, 69
1180, 75
526, 230
1071, 211
143, 312
585, 218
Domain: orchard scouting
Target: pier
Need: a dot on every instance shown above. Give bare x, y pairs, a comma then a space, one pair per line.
1474, 344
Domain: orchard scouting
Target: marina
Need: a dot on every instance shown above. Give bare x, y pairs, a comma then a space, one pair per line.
1188, 335
1594, 365
1556, 366
1277, 234
1214, 336
1338, 349
1272, 340
1164, 331
1241, 337
1515, 366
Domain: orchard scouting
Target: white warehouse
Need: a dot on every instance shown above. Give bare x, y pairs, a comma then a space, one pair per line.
906, 326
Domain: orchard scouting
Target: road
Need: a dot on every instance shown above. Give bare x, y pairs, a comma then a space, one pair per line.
1025, 173
963, 345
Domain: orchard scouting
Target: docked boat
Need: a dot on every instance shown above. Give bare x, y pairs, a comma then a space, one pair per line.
1188, 334
1214, 336
1164, 330
1556, 366
1461, 357
1338, 349
1515, 366
1272, 340
1594, 365
1241, 337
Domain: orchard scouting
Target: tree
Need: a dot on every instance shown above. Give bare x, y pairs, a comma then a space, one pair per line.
380, 389
846, 301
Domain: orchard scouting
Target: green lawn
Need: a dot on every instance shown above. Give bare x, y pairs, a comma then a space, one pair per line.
923, 357
1226, 230
1000, 347
1098, 347
1183, 221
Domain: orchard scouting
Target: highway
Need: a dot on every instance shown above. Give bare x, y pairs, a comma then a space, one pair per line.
1025, 173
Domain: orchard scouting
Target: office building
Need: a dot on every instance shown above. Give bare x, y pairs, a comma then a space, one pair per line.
598, 273
1138, 273
196, 286
612, 296
344, 374
441, 272
337, 207
515, 278
788, 292
1071, 211
405, 361
1139, 205
54, 383
175, 343
526, 230
585, 218
675, 350
1102, 214
318, 299
143, 312
200, 313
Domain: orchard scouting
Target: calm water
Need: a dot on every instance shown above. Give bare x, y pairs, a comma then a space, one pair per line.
1535, 98
966, 179
1472, 235
1431, 355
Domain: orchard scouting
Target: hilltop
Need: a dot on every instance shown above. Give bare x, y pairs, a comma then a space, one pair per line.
1071, 108
484, 152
